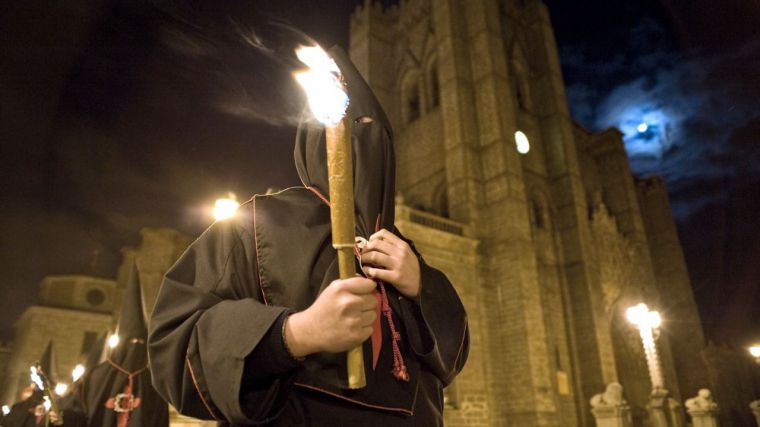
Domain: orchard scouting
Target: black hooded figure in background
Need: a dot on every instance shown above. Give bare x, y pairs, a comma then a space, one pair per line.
73, 405
30, 412
118, 391
251, 324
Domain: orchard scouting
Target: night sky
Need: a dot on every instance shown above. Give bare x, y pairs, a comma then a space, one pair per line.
121, 114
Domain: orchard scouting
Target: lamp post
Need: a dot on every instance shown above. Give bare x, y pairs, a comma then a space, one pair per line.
663, 409
648, 323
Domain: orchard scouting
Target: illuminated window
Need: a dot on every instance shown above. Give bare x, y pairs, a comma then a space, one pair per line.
522, 143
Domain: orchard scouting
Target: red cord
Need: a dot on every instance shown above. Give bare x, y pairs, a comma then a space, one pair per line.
399, 368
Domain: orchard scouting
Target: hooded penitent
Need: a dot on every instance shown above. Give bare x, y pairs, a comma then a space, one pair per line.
30, 412
216, 338
73, 405
47, 364
118, 392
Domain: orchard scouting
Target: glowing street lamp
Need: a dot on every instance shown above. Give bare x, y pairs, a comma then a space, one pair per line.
36, 378
754, 350
225, 207
648, 323
113, 341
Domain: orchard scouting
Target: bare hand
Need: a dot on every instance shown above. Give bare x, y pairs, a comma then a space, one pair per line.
340, 319
391, 260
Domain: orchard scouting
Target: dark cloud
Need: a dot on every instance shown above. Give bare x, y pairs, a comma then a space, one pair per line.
693, 117
680, 112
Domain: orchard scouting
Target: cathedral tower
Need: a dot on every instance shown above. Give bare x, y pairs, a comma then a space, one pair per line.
545, 241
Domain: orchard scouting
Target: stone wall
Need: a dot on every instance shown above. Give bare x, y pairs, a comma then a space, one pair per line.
562, 245
455, 254
35, 328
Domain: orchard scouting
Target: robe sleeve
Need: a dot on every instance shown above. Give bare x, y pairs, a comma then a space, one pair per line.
207, 321
437, 324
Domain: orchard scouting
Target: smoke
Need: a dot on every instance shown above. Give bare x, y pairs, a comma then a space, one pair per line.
243, 69
685, 116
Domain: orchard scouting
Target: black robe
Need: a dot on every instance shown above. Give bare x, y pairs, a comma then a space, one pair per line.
216, 344
22, 413
73, 405
123, 380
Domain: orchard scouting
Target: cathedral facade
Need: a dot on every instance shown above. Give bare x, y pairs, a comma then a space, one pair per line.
539, 223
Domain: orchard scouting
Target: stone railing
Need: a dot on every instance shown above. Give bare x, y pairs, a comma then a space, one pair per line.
405, 213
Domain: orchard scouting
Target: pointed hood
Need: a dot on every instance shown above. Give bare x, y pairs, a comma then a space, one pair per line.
131, 351
126, 372
96, 354
48, 363
74, 403
373, 157
295, 225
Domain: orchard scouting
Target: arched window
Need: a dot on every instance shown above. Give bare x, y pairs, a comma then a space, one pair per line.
537, 214
411, 107
520, 86
441, 201
434, 89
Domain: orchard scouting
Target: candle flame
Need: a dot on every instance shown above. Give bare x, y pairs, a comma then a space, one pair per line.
61, 388
323, 86
77, 373
36, 379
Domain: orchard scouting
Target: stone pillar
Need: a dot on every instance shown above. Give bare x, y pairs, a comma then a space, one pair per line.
755, 407
685, 336
610, 409
659, 408
676, 415
703, 409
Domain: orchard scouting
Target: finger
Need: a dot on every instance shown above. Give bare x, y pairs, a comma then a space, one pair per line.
366, 332
359, 285
368, 303
367, 318
387, 236
378, 259
390, 276
383, 246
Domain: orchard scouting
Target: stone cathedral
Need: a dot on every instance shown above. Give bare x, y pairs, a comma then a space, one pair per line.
538, 222
548, 240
